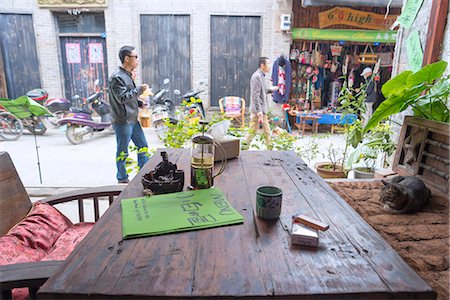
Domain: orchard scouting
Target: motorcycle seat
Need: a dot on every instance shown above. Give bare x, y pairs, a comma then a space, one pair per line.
190, 94
80, 110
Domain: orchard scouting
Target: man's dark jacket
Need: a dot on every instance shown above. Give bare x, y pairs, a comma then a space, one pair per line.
123, 96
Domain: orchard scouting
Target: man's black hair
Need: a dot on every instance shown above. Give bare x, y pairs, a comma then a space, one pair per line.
262, 61
125, 51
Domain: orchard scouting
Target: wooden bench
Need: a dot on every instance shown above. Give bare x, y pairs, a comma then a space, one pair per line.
14, 207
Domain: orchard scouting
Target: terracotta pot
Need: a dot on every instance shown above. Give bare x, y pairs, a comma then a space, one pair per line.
362, 172
325, 170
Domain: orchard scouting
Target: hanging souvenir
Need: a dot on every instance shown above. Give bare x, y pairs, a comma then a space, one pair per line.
336, 49
368, 56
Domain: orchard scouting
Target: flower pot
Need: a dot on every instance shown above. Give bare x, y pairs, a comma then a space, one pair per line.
325, 170
362, 172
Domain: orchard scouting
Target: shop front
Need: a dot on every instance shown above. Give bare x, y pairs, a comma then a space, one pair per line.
334, 45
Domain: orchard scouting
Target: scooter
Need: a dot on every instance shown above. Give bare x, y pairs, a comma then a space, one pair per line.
79, 121
162, 109
192, 105
57, 106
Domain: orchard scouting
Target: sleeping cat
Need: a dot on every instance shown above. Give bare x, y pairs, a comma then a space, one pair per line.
404, 194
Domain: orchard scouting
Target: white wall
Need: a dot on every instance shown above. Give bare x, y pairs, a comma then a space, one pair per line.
421, 24
123, 27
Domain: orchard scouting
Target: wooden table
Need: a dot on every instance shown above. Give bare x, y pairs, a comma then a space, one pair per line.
254, 259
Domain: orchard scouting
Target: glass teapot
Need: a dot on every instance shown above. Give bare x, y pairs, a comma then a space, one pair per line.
202, 160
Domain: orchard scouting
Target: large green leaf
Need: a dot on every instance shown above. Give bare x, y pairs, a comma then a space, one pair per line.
436, 111
440, 89
427, 74
390, 106
396, 84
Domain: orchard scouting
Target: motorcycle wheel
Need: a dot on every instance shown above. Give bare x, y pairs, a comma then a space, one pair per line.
37, 128
161, 130
72, 136
11, 128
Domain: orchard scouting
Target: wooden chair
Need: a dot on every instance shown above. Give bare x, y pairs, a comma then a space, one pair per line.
233, 107
15, 205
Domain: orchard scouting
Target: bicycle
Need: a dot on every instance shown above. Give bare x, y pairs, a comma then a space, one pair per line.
11, 128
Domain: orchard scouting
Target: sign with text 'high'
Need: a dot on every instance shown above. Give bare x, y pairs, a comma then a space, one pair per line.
356, 18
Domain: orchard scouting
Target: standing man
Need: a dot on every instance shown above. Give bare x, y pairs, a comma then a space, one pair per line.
123, 96
371, 94
258, 102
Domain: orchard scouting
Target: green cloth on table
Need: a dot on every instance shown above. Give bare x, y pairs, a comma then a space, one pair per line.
183, 211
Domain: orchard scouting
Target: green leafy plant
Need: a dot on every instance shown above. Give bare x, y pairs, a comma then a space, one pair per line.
375, 142
178, 135
352, 100
333, 155
425, 91
131, 165
310, 150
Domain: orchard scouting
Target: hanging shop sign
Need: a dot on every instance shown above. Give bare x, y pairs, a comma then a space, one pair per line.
356, 18
72, 3
409, 13
349, 35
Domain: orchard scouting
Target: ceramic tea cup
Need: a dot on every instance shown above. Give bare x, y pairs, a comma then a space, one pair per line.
268, 202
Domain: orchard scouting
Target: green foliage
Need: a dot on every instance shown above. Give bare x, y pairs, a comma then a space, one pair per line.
333, 155
131, 165
352, 100
178, 135
375, 142
425, 91
309, 151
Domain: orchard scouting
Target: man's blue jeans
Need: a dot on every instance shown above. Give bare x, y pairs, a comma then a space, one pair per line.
125, 133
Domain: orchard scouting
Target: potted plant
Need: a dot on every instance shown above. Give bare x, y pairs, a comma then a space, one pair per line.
352, 102
334, 168
425, 91
375, 144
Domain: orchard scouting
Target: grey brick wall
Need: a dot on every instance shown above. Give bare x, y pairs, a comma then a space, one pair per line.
123, 27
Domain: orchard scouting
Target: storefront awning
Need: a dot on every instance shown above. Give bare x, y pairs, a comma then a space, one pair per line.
373, 3
350, 35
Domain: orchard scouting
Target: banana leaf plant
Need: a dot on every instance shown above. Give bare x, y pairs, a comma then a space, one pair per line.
425, 91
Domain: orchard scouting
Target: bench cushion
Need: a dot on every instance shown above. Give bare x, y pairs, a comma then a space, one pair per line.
68, 241
41, 227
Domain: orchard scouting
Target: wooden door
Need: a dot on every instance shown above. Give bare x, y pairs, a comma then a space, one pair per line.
165, 52
235, 49
83, 61
19, 54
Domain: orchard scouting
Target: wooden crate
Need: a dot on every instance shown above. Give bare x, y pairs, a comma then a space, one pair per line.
423, 151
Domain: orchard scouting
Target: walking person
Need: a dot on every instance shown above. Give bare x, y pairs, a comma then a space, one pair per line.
258, 102
123, 96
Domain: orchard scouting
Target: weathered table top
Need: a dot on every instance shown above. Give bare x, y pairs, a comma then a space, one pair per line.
254, 259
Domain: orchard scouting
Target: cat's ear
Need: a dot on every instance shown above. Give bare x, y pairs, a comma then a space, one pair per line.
386, 183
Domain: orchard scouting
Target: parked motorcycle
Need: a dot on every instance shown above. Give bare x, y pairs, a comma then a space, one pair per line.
162, 109
29, 112
57, 106
11, 128
79, 121
192, 105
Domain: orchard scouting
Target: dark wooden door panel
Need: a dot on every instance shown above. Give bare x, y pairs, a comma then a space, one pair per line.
83, 60
165, 51
235, 49
20, 60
